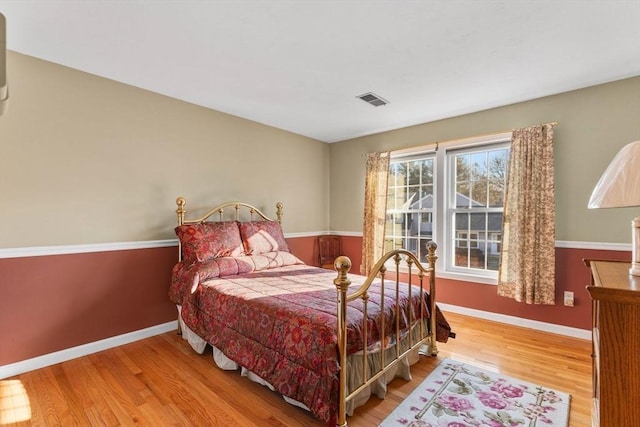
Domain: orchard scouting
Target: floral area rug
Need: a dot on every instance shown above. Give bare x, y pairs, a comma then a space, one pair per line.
456, 394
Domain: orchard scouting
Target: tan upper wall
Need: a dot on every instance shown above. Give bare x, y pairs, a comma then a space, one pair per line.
84, 159
87, 160
594, 123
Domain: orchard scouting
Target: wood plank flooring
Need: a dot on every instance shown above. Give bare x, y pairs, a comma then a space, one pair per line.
161, 381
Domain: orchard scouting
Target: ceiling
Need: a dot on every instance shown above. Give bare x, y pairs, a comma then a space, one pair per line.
300, 65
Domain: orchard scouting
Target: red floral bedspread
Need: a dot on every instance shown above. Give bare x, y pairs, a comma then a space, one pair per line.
281, 324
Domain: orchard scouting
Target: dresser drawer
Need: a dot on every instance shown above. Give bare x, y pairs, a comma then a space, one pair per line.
615, 298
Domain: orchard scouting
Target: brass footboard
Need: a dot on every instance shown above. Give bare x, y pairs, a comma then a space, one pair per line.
402, 349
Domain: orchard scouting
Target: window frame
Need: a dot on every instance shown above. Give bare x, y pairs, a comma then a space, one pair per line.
423, 155
443, 226
452, 210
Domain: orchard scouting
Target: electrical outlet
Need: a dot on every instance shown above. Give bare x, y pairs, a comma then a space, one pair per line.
568, 298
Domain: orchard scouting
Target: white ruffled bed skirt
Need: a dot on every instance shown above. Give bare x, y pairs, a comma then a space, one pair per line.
379, 388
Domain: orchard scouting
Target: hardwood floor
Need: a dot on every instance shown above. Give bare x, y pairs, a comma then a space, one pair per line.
160, 381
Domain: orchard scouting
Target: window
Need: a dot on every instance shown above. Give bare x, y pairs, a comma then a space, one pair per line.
410, 205
477, 182
453, 195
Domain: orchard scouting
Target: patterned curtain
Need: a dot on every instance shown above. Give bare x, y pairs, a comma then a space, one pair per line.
527, 259
375, 209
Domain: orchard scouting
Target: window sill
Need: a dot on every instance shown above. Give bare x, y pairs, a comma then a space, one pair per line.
467, 277
455, 276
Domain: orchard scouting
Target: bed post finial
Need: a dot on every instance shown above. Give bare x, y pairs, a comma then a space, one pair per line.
342, 265
181, 210
431, 257
279, 211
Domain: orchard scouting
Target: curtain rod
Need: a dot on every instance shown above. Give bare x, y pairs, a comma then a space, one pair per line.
438, 143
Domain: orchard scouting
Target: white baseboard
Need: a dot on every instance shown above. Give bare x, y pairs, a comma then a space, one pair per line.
17, 368
519, 321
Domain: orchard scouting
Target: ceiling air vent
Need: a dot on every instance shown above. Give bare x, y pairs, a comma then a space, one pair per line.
373, 99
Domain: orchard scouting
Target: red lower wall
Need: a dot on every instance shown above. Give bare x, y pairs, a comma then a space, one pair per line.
571, 275
51, 303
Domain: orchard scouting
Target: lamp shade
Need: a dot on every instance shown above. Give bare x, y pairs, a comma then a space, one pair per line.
619, 185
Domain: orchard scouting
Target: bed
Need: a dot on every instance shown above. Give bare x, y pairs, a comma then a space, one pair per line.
299, 329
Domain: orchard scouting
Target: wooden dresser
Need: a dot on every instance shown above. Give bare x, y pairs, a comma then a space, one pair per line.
616, 344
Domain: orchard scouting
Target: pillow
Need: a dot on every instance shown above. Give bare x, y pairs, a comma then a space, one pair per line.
209, 240
260, 237
271, 260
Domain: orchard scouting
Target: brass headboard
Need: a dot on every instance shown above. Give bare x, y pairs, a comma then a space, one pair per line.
254, 213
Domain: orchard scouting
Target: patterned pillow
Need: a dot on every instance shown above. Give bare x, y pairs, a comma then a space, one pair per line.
209, 240
260, 237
